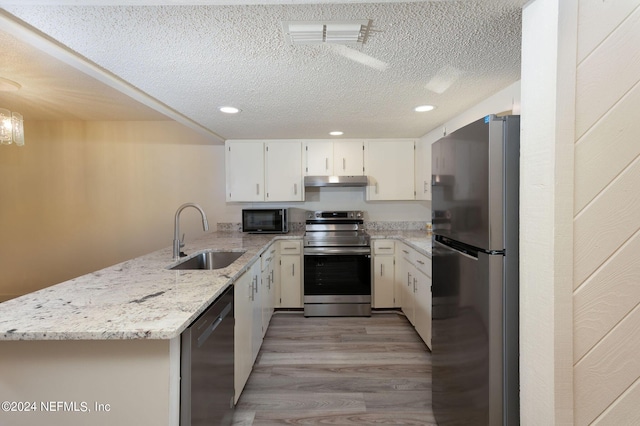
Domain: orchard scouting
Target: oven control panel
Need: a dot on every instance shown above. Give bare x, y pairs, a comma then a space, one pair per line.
334, 215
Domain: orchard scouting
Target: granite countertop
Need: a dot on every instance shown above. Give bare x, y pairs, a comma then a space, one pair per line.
141, 298
136, 299
419, 240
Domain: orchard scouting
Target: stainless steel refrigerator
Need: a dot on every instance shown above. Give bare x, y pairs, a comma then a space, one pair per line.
475, 179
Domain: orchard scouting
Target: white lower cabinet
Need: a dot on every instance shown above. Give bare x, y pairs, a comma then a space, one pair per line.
267, 285
244, 310
414, 278
290, 274
384, 294
422, 293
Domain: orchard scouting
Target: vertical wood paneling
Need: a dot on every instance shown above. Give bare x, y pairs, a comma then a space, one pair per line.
607, 208
608, 73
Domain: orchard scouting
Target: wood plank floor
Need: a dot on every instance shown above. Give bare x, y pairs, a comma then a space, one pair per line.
339, 371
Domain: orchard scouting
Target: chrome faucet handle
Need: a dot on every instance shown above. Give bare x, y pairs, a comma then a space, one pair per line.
182, 241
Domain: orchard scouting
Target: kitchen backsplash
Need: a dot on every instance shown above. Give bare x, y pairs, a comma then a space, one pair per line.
374, 226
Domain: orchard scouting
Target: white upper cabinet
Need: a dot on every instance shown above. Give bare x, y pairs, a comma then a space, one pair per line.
339, 157
423, 170
319, 158
244, 163
263, 171
283, 171
348, 158
389, 164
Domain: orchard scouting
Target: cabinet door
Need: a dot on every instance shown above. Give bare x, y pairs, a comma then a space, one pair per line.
319, 158
267, 288
383, 282
423, 170
348, 158
244, 164
256, 312
423, 307
290, 280
390, 167
283, 171
243, 294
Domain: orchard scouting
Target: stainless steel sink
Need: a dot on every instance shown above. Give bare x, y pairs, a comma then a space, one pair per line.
209, 260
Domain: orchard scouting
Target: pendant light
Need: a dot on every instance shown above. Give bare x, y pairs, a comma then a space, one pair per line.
11, 128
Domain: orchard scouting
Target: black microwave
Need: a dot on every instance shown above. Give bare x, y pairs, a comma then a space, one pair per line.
265, 221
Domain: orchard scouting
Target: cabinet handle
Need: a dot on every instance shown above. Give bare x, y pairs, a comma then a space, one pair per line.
404, 251
414, 286
289, 248
420, 262
381, 270
408, 279
295, 189
257, 189
344, 163
272, 279
293, 269
255, 284
376, 187
425, 187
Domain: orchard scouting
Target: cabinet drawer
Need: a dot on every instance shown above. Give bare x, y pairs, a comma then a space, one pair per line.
290, 247
423, 263
383, 247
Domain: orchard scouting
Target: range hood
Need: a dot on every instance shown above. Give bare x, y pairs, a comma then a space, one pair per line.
335, 181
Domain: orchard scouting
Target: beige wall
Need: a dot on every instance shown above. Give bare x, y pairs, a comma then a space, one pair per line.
580, 209
606, 281
80, 196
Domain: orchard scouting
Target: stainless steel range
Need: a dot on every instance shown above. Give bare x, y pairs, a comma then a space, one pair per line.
337, 264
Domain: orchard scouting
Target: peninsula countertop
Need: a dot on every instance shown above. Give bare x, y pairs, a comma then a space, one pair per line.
141, 298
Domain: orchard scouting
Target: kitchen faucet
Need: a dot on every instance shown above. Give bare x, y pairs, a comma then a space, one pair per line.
177, 243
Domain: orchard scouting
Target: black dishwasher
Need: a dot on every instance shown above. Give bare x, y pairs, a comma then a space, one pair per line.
206, 366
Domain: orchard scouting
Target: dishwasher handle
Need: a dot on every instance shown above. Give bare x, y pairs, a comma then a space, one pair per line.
209, 330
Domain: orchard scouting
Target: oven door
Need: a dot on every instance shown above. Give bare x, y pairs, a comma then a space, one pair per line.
337, 271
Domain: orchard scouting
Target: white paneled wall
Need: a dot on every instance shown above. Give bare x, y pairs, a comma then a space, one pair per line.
607, 215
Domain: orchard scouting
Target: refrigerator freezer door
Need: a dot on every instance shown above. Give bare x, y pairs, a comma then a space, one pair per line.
467, 337
469, 181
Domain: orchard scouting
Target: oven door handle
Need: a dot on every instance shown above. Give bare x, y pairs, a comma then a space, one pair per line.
323, 251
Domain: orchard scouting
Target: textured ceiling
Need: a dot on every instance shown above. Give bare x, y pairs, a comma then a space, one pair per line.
194, 59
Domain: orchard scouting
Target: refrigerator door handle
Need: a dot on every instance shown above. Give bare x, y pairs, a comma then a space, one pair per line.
457, 251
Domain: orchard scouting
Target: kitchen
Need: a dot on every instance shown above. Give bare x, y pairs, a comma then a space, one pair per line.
48, 217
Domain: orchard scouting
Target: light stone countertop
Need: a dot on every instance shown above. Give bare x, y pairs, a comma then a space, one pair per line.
142, 299
419, 240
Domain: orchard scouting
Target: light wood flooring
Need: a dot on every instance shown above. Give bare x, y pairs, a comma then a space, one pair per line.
339, 371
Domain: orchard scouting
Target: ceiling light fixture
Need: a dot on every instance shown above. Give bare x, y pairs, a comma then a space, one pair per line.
11, 128
319, 32
11, 123
424, 108
229, 110
336, 133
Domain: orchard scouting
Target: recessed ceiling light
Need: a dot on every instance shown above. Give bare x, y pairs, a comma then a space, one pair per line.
336, 133
229, 110
423, 108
